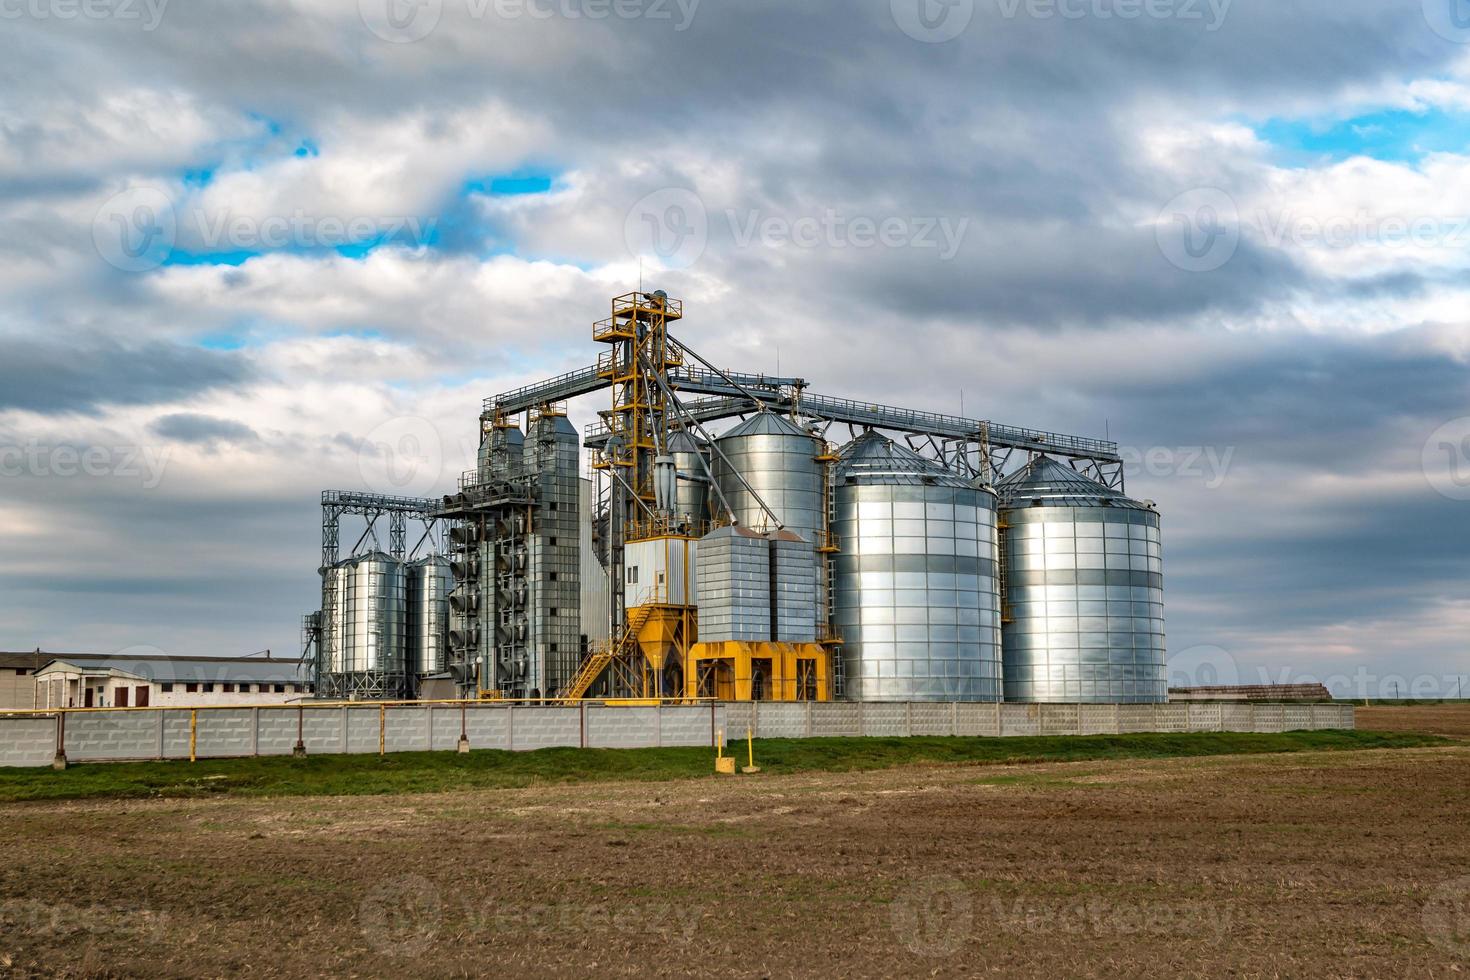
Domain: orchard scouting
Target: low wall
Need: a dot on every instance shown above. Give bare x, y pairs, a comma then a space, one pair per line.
164, 733
815, 720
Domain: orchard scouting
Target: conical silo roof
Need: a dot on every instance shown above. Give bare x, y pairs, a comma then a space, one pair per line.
683, 441
1048, 482
766, 424
872, 458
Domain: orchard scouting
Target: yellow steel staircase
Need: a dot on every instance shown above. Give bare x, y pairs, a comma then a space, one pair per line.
600, 659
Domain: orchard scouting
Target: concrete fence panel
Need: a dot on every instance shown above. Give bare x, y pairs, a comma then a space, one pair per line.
1020, 719
884, 720
27, 741
1204, 717
1060, 719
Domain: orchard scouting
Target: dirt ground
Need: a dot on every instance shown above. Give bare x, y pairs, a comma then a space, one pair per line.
1437, 719
1325, 864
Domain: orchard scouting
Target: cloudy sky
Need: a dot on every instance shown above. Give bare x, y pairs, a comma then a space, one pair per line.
240, 241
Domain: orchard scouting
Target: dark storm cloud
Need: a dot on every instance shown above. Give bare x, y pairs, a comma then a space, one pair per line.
52, 378
188, 427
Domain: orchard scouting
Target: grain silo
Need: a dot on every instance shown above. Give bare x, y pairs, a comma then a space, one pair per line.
916, 587
1084, 600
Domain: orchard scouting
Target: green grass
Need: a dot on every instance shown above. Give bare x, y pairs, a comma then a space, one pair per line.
428, 772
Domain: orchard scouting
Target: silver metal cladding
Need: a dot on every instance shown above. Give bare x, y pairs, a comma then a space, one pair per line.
1084, 590
916, 587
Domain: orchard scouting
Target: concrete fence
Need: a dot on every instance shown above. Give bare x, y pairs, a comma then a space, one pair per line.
215, 733
837, 719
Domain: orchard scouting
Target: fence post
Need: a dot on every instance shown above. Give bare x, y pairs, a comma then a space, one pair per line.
299, 750
160, 734
811, 728
382, 729
464, 732
255, 732
193, 734
59, 761
510, 728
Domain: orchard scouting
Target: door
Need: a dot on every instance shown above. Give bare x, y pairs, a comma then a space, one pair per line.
120, 699
87, 699
141, 701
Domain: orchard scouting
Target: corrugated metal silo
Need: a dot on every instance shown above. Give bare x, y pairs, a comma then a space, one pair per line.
1084, 590
691, 459
916, 590
375, 614
777, 458
428, 583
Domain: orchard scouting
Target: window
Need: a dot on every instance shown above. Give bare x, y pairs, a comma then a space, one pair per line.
192, 688
553, 612
552, 542
208, 688
244, 688
280, 688
227, 688
553, 576
120, 697
20, 672
632, 574
168, 688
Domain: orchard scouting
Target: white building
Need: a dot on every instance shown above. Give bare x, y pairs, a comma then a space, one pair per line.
101, 681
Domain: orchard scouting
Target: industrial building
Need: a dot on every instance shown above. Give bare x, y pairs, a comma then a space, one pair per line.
95, 680
743, 538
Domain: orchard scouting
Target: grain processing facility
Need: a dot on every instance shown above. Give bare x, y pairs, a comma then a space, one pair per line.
743, 538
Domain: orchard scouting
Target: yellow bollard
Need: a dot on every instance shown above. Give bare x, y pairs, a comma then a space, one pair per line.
193, 733
724, 764
750, 747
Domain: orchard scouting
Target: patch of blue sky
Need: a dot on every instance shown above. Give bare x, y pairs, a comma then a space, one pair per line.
1391, 135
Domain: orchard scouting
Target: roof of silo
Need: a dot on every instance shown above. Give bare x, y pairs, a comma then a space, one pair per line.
871, 458
682, 441
767, 424
1050, 481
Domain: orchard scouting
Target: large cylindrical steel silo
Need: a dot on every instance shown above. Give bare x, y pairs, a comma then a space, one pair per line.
691, 461
916, 586
778, 461
1084, 616
428, 584
375, 616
